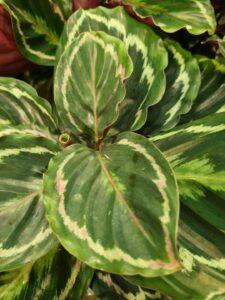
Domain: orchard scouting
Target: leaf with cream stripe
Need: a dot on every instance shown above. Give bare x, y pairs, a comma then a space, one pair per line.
182, 86
89, 83
115, 216
24, 155
197, 16
196, 153
57, 275
20, 104
111, 287
202, 255
37, 28
146, 84
211, 97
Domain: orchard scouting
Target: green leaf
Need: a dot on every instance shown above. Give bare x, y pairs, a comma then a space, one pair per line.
197, 16
183, 82
196, 153
20, 104
116, 210
37, 28
89, 83
24, 155
58, 276
202, 255
110, 287
211, 98
146, 84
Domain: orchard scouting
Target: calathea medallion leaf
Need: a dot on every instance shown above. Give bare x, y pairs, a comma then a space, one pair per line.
117, 209
37, 27
197, 16
211, 97
24, 155
111, 287
202, 255
196, 153
57, 275
89, 83
20, 104
182, 86
146, 84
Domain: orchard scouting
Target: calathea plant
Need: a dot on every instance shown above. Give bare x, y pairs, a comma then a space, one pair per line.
93, 189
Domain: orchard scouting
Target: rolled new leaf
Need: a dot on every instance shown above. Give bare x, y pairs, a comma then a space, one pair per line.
57, 275
196, 16
146, 84
196, 153
20, 104
24, 155
89, 83
116, 210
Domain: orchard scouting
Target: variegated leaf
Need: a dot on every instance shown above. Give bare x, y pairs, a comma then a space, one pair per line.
196, 153
197, 16
20, 104
37, 27
117, 209
146, 85
57, 275
89, 83
110, 287
202, 255
211, 98
182, 86
25, 234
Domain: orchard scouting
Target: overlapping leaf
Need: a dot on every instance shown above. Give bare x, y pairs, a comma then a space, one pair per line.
146, 85
24, 155
182, 86
20, 104
196, 153
211, 98
197, 16
55, 276
116, 209
89, 83
37, 28
111, 287
202, 254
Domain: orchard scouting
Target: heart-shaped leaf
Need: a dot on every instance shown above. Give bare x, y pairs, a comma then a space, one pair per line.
117, 209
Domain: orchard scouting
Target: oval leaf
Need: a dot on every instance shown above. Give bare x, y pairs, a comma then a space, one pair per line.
24, 155
89, 83
20, 104
116, 210
196, 16
146, 84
